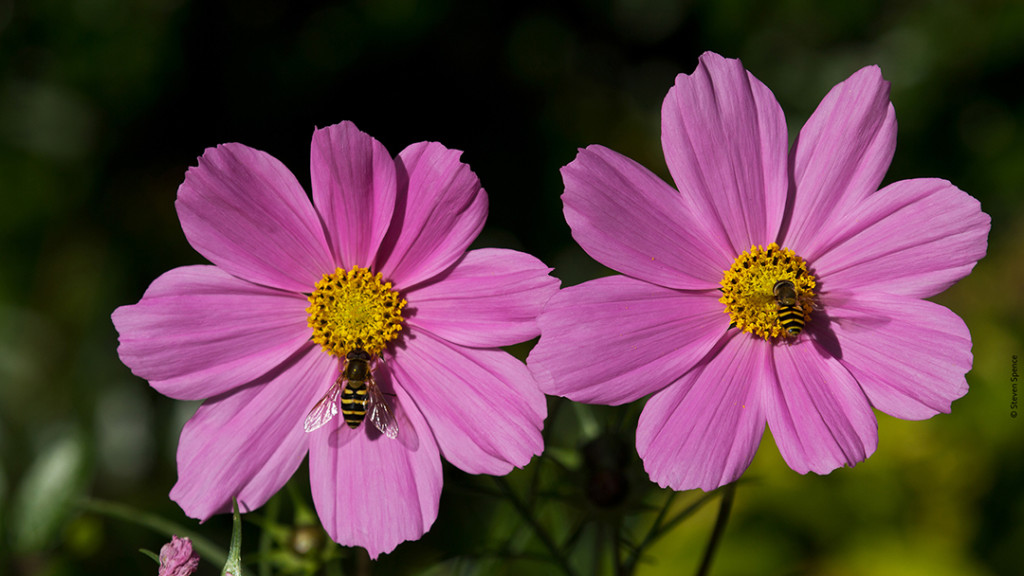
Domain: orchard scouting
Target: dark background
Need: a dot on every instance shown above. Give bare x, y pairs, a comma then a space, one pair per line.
105, 103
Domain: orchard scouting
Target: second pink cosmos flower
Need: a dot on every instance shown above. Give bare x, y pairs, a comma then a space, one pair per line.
377, 262
772, 288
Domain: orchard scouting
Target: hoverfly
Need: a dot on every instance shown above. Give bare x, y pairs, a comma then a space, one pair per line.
791, 314
358, 397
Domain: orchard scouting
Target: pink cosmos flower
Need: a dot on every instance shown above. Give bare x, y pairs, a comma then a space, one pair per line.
177, 558
377, 263
768, 289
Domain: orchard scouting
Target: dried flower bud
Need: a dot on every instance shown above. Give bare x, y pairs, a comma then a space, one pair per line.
177, 558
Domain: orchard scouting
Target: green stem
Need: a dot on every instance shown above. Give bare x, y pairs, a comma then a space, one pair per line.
661, 526
689, 511
634, 555
233, 565
539, 530
656, 527
729, 492
266, 537
616, 547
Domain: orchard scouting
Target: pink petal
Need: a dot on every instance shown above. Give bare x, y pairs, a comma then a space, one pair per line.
354, 189
441, 211
245, 212
614, 340
372, 491
247, 444
817, 413
914, 237
199, 332
724, 136
703, 430
840, 157
484, 408
490, 298
628, 219
909, 356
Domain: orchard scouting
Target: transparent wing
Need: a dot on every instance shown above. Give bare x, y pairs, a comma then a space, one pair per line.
378, 411
325, 409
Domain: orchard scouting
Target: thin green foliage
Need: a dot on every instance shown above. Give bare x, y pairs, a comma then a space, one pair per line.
206, 549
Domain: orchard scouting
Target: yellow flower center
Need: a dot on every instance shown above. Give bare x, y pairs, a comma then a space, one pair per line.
354, 310
768, 292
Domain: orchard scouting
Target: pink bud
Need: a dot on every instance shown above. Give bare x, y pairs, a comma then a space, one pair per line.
177, 558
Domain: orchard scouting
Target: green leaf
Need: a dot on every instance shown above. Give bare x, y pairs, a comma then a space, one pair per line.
151, 554
44, 498
209, 551
3, 496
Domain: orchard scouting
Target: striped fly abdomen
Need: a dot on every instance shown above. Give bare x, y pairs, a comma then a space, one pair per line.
353, 403
356, 395
791, 314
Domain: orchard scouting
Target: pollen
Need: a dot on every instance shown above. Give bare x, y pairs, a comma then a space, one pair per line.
354, 309
752, 300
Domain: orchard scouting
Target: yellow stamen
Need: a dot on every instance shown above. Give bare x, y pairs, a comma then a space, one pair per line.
748, 289
352, 310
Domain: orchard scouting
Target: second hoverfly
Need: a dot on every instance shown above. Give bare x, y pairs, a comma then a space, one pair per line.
358, 397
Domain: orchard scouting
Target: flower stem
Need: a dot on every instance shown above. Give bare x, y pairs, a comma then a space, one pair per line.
266, 536
538, 529
233, 565
615, 547
661, 526
728, 493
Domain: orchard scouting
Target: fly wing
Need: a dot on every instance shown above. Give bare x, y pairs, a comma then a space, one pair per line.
325, 409
379, 412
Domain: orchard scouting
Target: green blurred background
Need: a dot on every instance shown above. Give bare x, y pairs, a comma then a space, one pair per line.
105, 103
